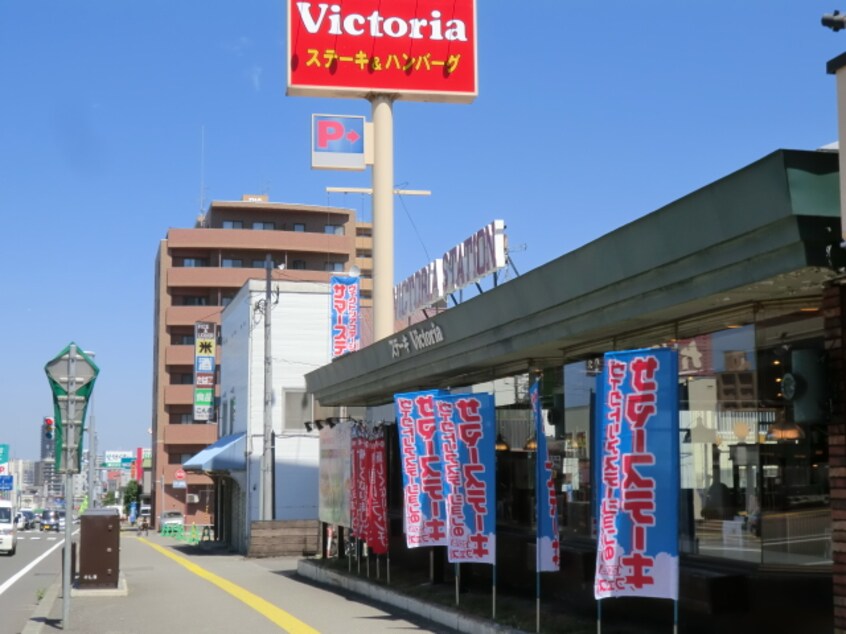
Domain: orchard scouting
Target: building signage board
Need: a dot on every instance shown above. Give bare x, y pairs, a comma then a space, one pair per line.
7, 483
481, 254
205, 342
4, 460
423, 50
338, 142
637, 471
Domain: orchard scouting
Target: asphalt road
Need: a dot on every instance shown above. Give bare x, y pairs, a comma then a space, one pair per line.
26, 575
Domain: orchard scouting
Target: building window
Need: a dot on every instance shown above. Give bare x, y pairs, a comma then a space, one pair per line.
195, 262
335, 230
298, 265
299, 226
231, 263
264, 226
186, 419
195, 300
183, 340
334, 267
182, 378
233, 224
226, 300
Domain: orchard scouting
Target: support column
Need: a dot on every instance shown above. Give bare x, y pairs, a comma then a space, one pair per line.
383, 216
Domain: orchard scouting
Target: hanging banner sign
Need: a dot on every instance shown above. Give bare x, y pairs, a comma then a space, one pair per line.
422, 470
423, 50
346, 336
638, 476
548, 545
467, 430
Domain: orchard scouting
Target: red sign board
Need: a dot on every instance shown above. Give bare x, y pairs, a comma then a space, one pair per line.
422, 50
179, 474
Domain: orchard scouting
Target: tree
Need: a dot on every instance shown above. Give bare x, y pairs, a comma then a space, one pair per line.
109, 499
132, 493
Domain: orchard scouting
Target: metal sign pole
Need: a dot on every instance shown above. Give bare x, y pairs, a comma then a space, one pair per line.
383, 216
68, 437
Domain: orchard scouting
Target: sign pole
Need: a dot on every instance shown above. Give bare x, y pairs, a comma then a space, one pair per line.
69, 438
383, 216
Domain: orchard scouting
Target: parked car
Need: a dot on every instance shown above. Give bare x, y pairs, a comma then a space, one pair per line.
50, 520
171, 518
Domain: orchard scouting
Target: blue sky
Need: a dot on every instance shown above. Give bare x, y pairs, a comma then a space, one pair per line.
590, 115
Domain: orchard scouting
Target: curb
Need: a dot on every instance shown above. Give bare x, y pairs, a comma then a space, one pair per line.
447, 617
41, 613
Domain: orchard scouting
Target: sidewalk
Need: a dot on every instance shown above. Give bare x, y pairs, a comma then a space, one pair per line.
169, 586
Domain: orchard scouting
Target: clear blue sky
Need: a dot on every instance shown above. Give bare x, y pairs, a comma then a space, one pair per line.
590, 114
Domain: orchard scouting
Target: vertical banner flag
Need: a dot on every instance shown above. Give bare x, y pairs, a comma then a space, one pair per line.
377, 493
4, 460
358, 491
638, 476
420, 454
205, 339
467, 429
548, 546
346, 336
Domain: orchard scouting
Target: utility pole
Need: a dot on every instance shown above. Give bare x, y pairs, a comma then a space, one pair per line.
267, 449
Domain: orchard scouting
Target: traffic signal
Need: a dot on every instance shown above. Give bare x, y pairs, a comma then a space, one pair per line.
48, 428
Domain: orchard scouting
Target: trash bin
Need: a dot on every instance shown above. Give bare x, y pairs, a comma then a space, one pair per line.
99, 545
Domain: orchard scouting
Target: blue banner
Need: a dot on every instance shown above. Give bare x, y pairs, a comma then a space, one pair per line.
346, 336
548, 546
638, 476
422, 470
467, 431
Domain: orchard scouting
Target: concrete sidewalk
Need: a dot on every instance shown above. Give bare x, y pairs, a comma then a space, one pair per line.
169, 586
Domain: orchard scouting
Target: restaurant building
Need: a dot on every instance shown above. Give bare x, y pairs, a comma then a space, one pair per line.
742, 277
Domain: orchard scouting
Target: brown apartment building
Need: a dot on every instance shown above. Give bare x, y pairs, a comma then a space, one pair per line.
198, 271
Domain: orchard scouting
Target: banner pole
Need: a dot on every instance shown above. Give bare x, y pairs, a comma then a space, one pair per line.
675, 616
493, 594
388, 567
599, 616
457, 581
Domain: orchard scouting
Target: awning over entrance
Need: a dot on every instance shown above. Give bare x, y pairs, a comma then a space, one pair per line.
227, 454
696, 265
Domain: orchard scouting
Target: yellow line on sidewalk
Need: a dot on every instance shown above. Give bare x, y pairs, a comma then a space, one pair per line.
279, 616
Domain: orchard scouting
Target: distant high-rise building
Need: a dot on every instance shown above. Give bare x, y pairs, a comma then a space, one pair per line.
198, 271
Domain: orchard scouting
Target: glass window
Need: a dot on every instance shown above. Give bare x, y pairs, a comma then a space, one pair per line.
186, 419
194, 262
264, 226
299, 226
336, 230
231, 263
298, 264
334, 267
226, 300
195, 300
233, 224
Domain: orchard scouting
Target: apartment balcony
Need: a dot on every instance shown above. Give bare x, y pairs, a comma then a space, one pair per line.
179, 355
189, 315
259, 241
212, 277
200, 434
178, 394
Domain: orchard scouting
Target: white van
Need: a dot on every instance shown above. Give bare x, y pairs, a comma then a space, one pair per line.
8, 530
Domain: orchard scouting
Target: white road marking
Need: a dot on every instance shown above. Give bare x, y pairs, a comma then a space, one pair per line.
32, 565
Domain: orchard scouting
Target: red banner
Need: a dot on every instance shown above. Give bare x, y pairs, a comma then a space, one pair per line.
368, 495
377, 507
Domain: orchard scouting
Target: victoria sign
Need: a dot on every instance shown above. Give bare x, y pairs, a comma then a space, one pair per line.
422, 50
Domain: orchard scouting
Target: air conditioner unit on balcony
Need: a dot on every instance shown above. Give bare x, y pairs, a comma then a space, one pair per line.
192, 498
